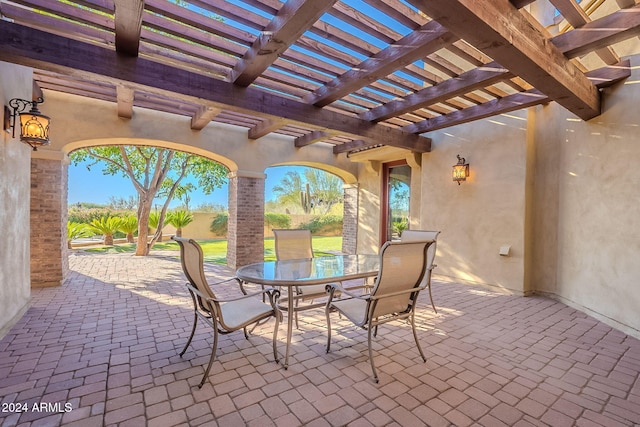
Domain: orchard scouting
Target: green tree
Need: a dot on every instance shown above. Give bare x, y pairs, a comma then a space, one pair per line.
315, 191
154, 172
107, 226
129, 225
76, 230
289, 189
179, 219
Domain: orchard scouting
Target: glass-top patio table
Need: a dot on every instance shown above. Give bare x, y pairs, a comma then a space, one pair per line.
305, 272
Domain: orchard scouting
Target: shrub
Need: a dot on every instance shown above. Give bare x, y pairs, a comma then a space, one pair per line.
76, 230
219, 224
277, 220
325, 223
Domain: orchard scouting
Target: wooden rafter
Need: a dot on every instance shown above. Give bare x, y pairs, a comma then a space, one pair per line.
577, 17
602, 32
203, 116
128, 24
498, 29
295, 17
311, 137
464, 83
418, 44
600, 78
125, 96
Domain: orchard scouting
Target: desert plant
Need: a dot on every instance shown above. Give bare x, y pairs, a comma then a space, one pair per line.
76, 230
179, 219
129, 225
107, 226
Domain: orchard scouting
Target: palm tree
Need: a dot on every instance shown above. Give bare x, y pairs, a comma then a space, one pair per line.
76, 230
179, 219
107, 226
129, 225
154, 219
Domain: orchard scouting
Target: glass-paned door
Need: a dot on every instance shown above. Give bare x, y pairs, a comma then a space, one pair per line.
396, 188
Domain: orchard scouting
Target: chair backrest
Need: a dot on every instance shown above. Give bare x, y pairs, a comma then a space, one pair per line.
293, 244
418, 235
402, 267
192, 264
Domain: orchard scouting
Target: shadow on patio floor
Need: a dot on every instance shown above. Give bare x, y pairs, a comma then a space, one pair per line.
102, 350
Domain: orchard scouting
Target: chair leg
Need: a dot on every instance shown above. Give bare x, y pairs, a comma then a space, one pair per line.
327, 312
415, 336
431, 298
193, 331
373, 368
213, 355
276, 315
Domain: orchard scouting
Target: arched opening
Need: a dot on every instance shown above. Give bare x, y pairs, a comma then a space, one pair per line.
307, 195
158, 180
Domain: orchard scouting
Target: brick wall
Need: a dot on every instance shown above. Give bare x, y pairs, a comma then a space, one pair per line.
246, 221
49, 257
350, 219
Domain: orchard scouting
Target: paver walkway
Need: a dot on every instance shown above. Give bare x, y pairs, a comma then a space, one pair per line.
102, 350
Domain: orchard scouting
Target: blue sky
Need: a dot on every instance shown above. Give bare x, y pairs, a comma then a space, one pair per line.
94, 187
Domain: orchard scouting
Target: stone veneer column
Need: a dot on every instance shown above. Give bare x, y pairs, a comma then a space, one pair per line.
49, 253
350, 219
246, 219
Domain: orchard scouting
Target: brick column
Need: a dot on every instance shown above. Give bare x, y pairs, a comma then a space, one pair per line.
350, 219
246, 219
49, 254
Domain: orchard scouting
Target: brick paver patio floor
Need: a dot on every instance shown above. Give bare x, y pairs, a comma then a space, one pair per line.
102, 350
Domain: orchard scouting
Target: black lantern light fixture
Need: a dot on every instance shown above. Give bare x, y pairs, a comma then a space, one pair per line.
460, 170
34, 126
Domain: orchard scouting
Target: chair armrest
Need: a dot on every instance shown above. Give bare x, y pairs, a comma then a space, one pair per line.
334, 287
393, 294
267, 291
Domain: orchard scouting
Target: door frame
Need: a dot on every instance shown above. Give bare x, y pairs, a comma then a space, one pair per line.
384, 197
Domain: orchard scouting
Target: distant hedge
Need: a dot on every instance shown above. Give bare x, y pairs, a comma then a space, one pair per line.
324, 223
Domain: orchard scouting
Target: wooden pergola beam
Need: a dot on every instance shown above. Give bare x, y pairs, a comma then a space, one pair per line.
292, 20
124, 96
265, 127
41, 50
311, 138
602, 32
128, 23
601, 77
476, 78
416, 45
577, 17
499, 30
203, 116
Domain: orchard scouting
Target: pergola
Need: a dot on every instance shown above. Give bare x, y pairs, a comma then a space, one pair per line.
355, 74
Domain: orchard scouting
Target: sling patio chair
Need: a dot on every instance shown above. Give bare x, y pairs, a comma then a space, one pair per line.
416, 235
393, 296
223, 315
297, 244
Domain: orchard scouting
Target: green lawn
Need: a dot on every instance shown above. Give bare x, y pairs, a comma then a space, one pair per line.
216, 250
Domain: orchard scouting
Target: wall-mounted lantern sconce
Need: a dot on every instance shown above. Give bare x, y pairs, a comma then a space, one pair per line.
34, 126
460, 170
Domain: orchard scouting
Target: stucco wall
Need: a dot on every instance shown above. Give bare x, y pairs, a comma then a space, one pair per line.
594, 215
93, 122
487, 211
15, 158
